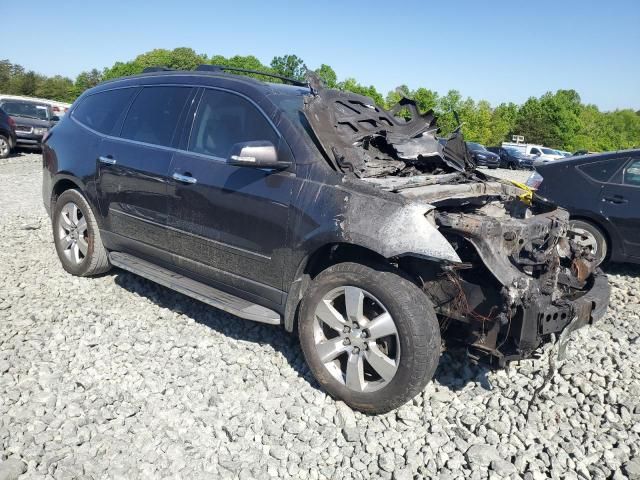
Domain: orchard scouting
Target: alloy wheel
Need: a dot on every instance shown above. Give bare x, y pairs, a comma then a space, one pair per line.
4, 147
73, 233
356, 339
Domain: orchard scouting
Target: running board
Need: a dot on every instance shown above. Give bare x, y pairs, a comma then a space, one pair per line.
212, 296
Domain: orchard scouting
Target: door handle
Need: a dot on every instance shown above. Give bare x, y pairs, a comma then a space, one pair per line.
184, 178
617, 199
109, 160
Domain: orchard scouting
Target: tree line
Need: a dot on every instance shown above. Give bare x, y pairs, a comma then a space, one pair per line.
558, 120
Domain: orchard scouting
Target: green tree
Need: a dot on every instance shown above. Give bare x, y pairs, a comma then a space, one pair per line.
328, 76
290, 66
351, 85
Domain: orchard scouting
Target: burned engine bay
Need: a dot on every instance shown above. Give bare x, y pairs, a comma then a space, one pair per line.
520, 278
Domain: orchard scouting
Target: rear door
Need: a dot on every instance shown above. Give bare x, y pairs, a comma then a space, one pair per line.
228, 224
133, 171
621, 206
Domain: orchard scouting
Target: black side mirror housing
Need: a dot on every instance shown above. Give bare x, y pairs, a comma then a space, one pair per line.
256, 154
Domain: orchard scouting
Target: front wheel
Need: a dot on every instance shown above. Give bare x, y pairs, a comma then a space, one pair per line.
370, 337
5, 147
590, 237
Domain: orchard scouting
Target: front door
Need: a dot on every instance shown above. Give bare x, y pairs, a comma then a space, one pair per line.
228, 224
133, 172
621, 205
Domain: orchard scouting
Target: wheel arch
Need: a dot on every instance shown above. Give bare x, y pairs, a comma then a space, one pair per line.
331, 254
61, 185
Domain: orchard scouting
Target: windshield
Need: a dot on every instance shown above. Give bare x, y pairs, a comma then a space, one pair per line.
475, 146
513, 151
23, 109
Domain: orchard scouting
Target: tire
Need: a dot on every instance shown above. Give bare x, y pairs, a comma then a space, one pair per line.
413, 350
77, 237
5, 147
587, 234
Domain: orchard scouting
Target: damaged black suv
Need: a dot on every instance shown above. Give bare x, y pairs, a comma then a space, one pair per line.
315, 209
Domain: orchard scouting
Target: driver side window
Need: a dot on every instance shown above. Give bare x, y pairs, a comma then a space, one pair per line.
535, 151
632, 174
224, 119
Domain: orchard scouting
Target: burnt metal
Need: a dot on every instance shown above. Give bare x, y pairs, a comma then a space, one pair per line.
362, 138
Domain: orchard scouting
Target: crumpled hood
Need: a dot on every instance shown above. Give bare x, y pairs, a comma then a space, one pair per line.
359, 137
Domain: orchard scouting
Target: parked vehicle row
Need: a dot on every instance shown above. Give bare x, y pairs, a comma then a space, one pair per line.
7, 134
602, 194
31, 122
483, 157
254, 198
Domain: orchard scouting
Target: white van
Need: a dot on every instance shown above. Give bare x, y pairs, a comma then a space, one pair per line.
542, 154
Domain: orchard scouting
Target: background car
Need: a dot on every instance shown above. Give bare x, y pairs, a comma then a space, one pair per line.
603, 200
32, 120
482, 156
512, 158
7, 134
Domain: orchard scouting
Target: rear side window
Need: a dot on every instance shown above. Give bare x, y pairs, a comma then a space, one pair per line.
102, 111
603, 170
224, 119
154, 114
632, 174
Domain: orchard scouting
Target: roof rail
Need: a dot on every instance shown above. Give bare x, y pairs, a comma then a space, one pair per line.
157, 69
224, 68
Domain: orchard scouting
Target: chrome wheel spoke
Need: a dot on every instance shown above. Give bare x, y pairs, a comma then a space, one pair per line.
65, 221
67, 241
329, 315
82, 226
76, 252
354, 304
355, 373
83, 246
329, 350
382, 364
381, 326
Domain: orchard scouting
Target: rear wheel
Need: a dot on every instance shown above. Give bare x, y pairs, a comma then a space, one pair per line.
591, 237
370, 336
76, 236
5, 147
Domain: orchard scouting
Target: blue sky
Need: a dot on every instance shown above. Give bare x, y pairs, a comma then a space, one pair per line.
498, 51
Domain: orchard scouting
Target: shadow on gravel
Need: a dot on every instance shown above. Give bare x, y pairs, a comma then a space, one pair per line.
220, 321
454, 369
624, 269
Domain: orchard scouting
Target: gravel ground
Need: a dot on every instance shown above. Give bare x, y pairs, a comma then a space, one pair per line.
116, 377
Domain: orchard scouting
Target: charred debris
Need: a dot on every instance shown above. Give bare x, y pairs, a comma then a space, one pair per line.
519, 272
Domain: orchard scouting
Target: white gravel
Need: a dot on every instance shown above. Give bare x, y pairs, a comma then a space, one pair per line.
116, 377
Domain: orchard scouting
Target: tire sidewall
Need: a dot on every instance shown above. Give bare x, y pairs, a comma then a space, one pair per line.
76, 197
406, 333
6, 139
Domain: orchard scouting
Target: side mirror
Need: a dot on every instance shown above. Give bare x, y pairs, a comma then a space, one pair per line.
256, 154
54, 118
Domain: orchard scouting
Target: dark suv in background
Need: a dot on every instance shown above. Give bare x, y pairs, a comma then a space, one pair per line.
7, 134
317, 210
32, 120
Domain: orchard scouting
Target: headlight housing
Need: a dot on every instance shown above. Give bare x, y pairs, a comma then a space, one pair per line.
40, 131
534, 181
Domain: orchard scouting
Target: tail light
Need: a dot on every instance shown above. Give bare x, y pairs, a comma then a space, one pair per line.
534, 181
12, 123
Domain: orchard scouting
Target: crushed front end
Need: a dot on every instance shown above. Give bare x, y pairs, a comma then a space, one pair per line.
522, 278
